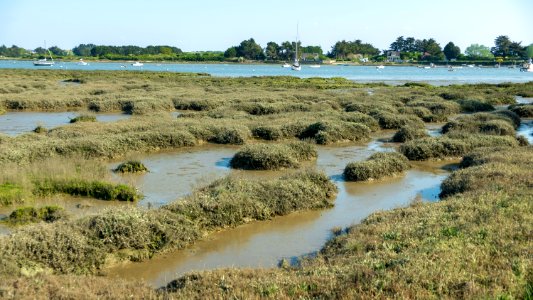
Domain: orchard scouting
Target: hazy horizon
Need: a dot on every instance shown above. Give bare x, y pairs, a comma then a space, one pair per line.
211, 26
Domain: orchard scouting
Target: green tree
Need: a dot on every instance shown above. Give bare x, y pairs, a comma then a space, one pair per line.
477, 51
529, 51
502, 45
40, 51
398, 45
83, 49
250, 49
231, 52
430, 48
451, 51
272, 51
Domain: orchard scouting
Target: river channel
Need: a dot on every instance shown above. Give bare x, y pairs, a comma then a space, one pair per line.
264, 244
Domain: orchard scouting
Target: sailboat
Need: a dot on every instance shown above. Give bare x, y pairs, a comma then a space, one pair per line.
43, 62
296, 64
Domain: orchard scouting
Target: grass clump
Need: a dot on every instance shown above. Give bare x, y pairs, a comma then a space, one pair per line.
232, 201
522, 110
11, 193
471, 106
504, 167
408, 133
132, 166
497, 123
388, 120
378, 165
273, 156
40, 129
25, 215
325, 132
94, 189
452, 145
196, 105
83, 246
269, 133
83, 118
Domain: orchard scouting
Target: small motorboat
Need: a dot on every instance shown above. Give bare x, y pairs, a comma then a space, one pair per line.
286, 65
314, 66
82, 63
380, 67
137, 64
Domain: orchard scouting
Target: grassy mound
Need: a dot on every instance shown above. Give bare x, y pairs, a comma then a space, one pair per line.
471, 106
498, 123
40, 129
273, 156
81, 246
378, 165
25, 215
329, 132
132, 166
522, 110
408, 133
388, 120
452, 145
269, 133
83, 118
94, 189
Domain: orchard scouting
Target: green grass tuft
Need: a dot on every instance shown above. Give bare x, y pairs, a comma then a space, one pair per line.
273, 156
378, 165
132, 166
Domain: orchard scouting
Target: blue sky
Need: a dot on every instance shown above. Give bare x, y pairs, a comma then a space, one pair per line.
216, 25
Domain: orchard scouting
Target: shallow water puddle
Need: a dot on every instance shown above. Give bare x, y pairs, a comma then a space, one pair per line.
15, 122
175, 174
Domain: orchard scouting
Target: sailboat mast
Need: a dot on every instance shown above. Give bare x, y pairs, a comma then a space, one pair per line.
296, 57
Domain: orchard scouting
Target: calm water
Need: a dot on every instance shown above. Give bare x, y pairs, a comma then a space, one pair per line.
17, 122
437, 76
263, 244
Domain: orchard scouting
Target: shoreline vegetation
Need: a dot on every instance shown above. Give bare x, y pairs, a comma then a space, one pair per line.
473, 243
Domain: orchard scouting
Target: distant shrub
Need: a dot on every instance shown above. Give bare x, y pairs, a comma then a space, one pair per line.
132, 166
379, 165
83, 118
273, 156
408, 133
26, 215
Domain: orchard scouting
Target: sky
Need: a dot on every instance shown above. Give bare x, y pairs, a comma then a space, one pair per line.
209, 25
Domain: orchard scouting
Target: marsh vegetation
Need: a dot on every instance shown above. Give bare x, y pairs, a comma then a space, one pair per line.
476, 239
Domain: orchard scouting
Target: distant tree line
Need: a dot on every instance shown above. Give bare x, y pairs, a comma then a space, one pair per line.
409, 49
